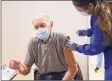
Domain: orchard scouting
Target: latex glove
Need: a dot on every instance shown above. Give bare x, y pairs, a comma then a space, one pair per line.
82, 32
71, 46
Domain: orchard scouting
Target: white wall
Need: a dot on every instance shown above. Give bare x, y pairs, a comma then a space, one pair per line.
0, 36
0, 31
17, 27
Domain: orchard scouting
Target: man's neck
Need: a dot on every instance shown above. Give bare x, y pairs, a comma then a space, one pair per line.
45, 42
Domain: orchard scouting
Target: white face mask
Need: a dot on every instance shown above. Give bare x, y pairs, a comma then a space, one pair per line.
43, 33
84, 13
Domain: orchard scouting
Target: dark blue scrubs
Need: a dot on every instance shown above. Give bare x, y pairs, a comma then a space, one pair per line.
98, 46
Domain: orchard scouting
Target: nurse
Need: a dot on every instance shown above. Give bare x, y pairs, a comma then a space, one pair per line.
101, 31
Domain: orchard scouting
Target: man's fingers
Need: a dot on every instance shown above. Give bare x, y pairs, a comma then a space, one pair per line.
13, 64
11, 60
15, 61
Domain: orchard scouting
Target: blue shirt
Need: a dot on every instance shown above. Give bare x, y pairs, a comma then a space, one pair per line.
97, 45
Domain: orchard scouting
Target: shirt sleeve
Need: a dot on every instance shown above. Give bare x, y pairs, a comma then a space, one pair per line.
29, 60
61, 41
96, 46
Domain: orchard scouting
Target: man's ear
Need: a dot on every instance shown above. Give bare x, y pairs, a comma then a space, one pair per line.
51, 23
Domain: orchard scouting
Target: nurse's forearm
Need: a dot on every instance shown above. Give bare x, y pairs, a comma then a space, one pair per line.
90, 49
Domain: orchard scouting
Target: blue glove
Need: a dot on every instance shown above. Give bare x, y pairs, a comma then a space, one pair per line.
82, 32
71, 46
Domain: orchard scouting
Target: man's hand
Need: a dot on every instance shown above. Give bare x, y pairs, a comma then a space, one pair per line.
82, 33
13, 64
18, 66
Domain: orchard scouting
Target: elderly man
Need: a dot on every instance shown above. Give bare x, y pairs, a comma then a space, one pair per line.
47, 50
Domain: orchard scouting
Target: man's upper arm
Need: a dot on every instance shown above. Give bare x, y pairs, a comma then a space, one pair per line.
69, 56
29, 60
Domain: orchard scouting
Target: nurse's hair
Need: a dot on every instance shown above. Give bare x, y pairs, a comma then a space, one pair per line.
103, 10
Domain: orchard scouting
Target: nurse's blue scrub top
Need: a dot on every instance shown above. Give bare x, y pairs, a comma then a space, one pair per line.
97, 46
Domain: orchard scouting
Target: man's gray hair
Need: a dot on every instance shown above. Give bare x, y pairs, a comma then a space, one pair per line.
45, 16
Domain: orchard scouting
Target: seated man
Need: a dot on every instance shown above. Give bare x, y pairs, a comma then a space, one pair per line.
47, 50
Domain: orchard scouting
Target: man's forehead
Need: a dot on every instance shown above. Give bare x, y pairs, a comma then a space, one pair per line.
39, 21
40, 18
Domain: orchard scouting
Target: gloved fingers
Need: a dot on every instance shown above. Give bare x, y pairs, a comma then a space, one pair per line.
78, 33
67, 45
81, 32
67, 38
75, 44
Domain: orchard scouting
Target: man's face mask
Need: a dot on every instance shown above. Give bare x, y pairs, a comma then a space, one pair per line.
43, 33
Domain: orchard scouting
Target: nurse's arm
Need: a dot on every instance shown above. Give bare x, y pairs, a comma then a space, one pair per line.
89, 32
97, 45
